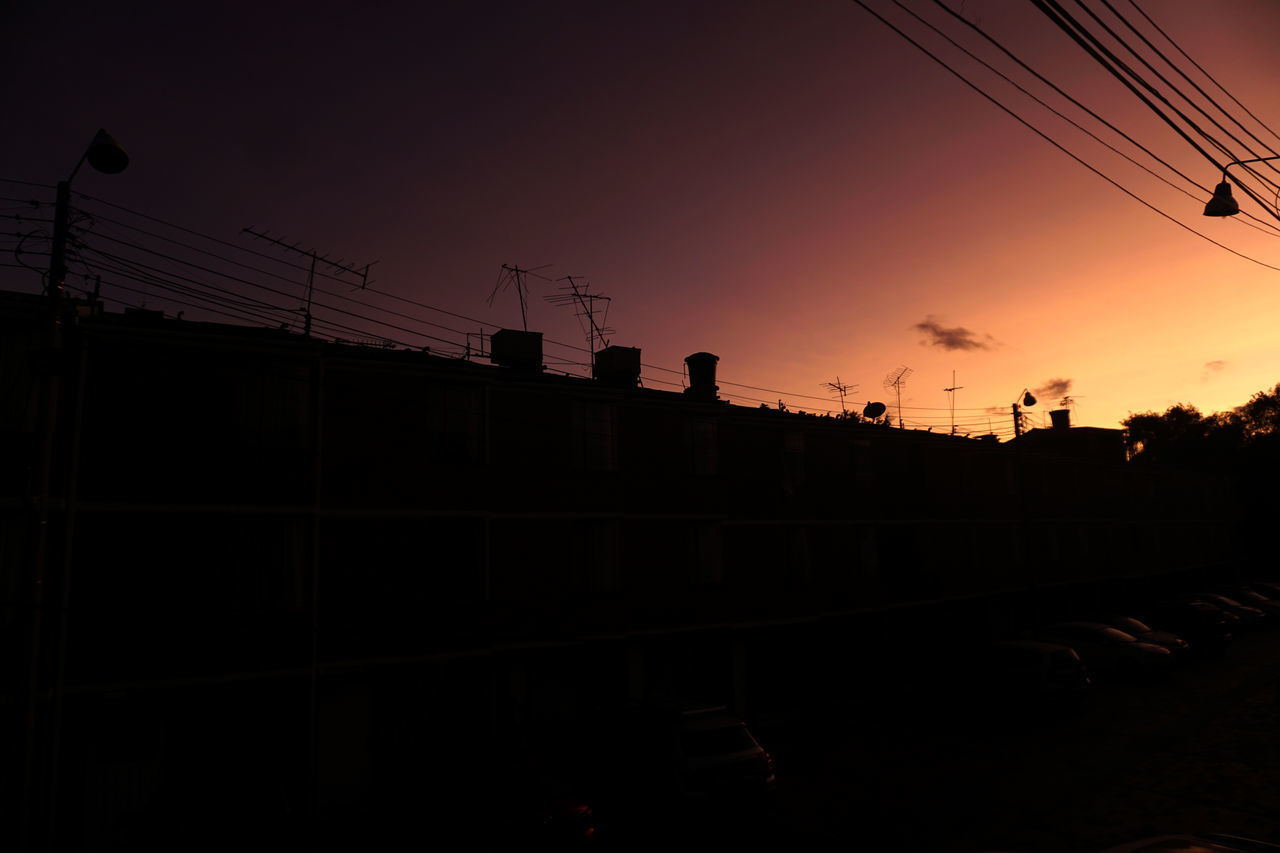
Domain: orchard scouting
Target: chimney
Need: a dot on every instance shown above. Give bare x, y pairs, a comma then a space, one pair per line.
1061, 418
618, 366
702, 376
516, 349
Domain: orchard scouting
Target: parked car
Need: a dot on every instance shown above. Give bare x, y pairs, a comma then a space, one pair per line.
1212, 843
719, 757
1142, 631
1271, 589
1109, 651
1253, 598
1249, 616
1028, 671
538, 823
654, 764
1207, 628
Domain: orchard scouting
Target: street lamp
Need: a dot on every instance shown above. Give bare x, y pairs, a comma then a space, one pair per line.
105, 155
1222, 203
1027, 400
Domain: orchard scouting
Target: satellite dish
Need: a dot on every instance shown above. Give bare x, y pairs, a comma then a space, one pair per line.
873, 410
1028, 400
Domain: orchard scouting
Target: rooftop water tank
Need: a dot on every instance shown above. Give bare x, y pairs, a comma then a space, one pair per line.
618, 366
516, 349
702, 375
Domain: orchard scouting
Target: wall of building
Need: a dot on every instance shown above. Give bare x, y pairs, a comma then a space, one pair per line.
339, 565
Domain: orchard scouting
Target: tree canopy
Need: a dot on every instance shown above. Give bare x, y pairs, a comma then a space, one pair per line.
1183, 436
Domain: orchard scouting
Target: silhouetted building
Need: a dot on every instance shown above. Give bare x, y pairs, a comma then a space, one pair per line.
280, 577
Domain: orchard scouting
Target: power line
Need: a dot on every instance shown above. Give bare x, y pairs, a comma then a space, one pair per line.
1113, 65
985, 35
1197, 66
28, 183
1183, 75
1055, 143
1170, 85
302, 268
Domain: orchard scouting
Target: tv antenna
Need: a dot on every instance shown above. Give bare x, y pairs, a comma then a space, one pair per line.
340, 265
951, 392
1069, 402
580, 295
894, 380
840, 389
515, 275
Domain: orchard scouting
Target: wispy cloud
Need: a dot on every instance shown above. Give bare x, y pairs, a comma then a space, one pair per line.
1211, 367
1053, 388
953, 338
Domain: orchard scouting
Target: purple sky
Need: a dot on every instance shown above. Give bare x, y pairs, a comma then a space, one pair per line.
791, 186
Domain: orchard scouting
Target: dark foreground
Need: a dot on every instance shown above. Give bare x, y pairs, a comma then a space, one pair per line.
1197, 750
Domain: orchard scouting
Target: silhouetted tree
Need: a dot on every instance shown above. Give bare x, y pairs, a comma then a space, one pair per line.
1242, 444
1183, 436
1180, 436
1260, 417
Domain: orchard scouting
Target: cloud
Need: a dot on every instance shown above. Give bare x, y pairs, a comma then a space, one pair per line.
955, 338
1216, 366
1053, 388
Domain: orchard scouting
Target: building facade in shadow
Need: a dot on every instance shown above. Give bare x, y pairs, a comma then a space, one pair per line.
286, 583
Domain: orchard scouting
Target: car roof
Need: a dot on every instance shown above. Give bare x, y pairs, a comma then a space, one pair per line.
1039, 645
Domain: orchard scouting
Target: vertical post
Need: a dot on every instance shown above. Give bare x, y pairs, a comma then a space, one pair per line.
58, 252
35, 717
1017, 422
311, 811
311, 278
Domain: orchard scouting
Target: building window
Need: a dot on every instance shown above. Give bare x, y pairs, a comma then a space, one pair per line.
793, 458
593, 437
705, 450
707, 562
456, 422
861, 463
600, 541
274, 406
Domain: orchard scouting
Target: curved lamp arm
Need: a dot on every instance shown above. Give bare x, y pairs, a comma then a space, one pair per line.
1223, 204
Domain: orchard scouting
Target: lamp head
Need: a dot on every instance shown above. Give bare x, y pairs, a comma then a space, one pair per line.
1222, 204
106, 155
1028, 400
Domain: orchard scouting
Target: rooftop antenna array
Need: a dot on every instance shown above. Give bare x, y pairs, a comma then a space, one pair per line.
341, 265
951, 392
1069, 403
840, 389
581, 297
894, 380
512, 275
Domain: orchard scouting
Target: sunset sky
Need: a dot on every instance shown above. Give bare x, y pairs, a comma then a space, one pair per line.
789, 185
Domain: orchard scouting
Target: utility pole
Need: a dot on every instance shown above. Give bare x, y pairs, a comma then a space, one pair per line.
1027, 400
41, 718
